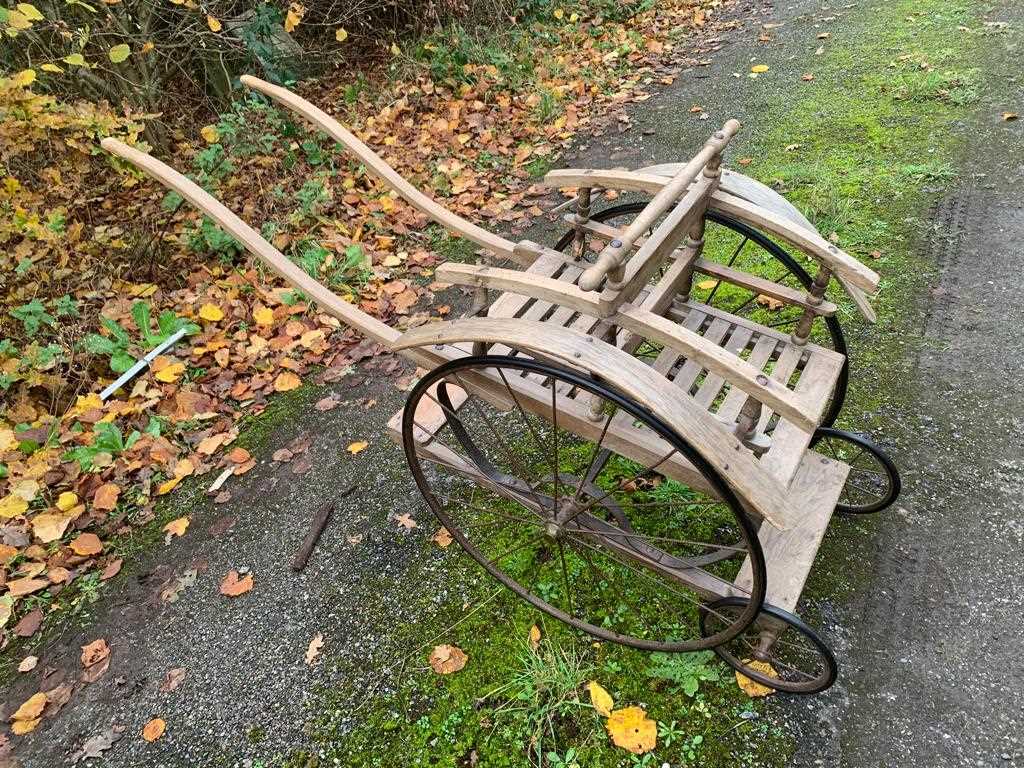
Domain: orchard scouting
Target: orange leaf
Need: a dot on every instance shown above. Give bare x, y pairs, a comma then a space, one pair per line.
286, 381
154, 729
445, 659
106, 497
176, 528
95, 652
87, 544
357, 446
232, 586
239, 456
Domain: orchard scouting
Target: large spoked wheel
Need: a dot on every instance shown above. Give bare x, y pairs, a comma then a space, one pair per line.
526, 474
873, 483
778, 650
731, 242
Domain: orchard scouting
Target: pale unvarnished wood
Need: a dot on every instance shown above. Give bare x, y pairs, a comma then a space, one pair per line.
718, 446
722, 362
544, 288
387, 174
612, 255
331, 303
656, 248
790, 554
763, 287
762, 352
629, 181
808, 241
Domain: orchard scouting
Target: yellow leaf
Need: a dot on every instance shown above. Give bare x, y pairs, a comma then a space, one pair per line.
707, 285
263, 316
1008, 116
24, 78
295, 14
211, 312
395, 50
66, 501
12, 505
49, 528
752, 688
17, 20
341, 34
154, 729
213, 24
119, 53
631, 729
209, 134
559, 13
170, 373
21, 727
771, 303
75, 59
535, 637
356, 447
167, 486
758, 69
31, 12
176, 527
7, 439
286, 381
32, 708
600, 698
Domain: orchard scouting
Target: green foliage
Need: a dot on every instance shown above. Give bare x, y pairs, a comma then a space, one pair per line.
118, 343
33, 317
210, 238
685, 670
107, 438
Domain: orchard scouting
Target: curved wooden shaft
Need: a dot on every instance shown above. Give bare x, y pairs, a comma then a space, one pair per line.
712, 439
387, 174
252, 241
613, 254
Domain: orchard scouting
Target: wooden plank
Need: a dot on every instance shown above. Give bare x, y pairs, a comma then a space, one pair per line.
714, 441
544, 288
608, 179
707, 353
511, 304
692, 368
764, 347
782, 372
714, 382
728, 274
763, 287
387, 174
790, 554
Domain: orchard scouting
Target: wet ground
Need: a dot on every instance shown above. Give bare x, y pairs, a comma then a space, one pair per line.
931, 673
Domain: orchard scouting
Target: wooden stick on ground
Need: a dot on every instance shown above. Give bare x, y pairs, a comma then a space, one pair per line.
316, 528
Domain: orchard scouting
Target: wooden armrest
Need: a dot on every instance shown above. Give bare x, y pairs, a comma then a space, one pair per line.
547, 289
721, 362
387, 174
842, 265
629, 181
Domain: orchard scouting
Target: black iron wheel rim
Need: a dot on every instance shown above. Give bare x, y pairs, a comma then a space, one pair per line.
591, 385
874, 482
777, 252
804, 683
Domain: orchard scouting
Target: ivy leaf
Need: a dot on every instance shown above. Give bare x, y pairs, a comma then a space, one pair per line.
119, 53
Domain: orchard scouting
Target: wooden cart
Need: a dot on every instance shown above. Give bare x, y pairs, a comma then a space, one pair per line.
602, 435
